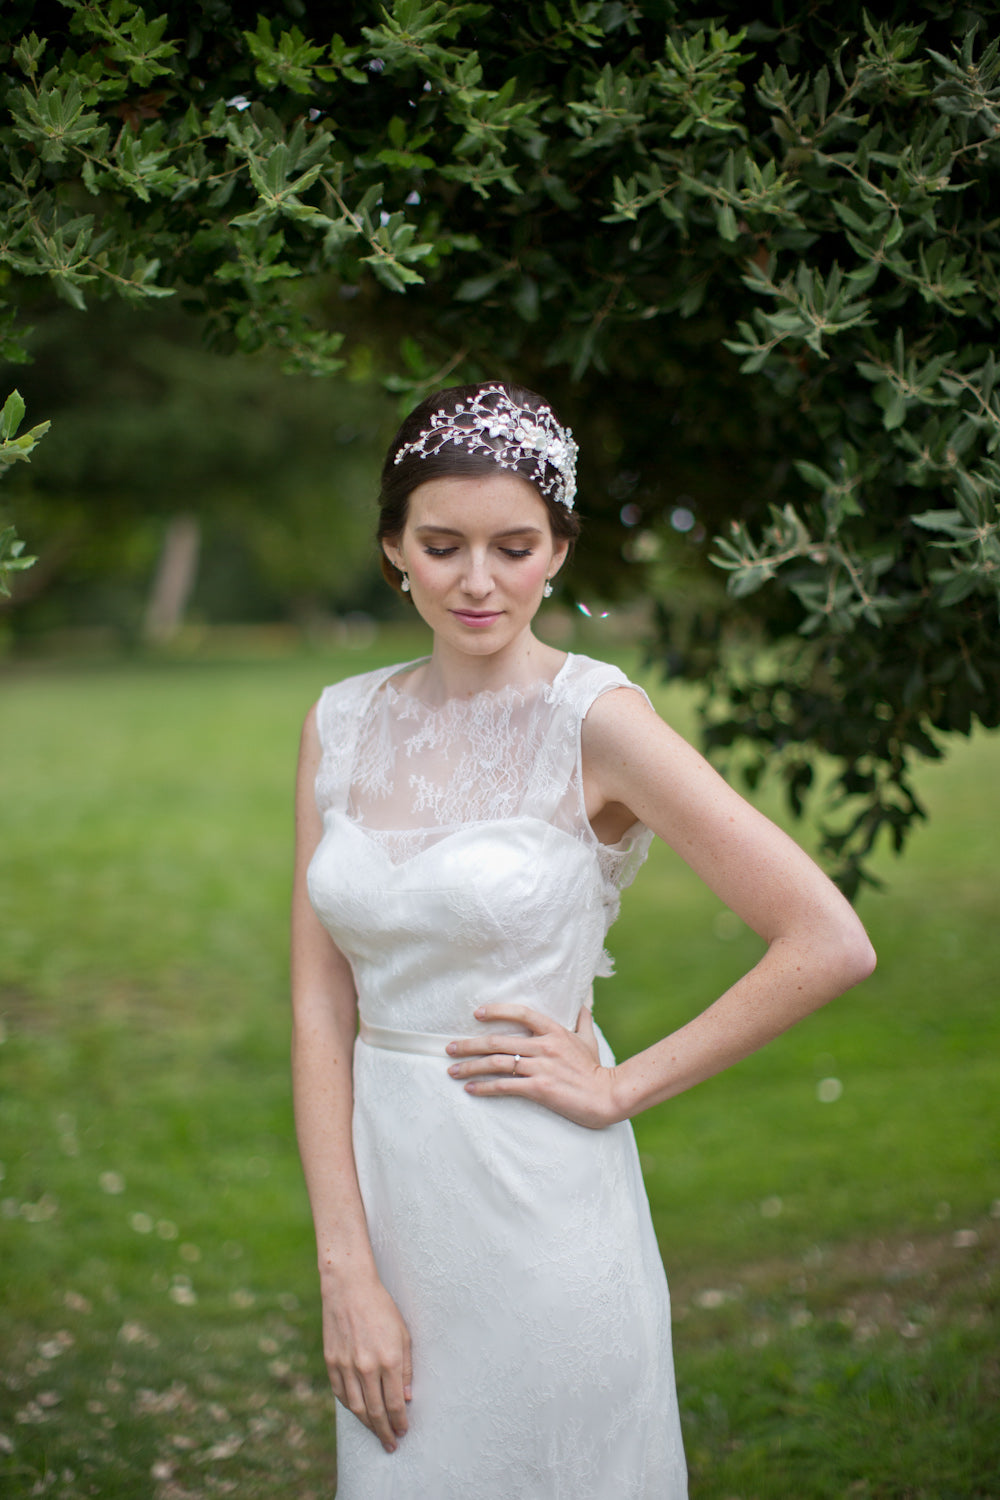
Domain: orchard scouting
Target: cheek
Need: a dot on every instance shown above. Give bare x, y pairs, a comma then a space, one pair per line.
532, 573
429, 573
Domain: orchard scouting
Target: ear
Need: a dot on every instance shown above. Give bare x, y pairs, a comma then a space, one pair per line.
394, 555
559, 551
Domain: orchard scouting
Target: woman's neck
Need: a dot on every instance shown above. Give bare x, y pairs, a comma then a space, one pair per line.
458, 674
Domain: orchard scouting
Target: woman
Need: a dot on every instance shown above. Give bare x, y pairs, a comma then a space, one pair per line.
496, 1318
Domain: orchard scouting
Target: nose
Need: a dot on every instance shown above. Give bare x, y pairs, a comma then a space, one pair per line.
477, 581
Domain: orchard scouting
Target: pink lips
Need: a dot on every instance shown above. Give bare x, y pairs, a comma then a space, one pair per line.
476, 621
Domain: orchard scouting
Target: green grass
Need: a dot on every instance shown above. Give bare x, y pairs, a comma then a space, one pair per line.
833, 1263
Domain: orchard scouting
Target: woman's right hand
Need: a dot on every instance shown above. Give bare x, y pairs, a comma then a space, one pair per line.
366, 1345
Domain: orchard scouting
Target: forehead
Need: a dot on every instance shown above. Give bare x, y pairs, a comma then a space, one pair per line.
500, 503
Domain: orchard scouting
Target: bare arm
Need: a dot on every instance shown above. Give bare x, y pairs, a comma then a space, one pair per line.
366, 1343
817, 947
635, 766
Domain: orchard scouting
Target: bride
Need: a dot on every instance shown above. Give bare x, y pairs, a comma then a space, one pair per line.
495, 1312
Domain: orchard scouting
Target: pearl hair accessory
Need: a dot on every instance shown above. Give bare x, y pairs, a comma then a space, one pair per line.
496, 427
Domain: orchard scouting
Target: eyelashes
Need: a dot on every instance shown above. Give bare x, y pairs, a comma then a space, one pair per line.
513, 552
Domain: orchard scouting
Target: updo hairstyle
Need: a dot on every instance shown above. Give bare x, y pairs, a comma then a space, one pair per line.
400, 480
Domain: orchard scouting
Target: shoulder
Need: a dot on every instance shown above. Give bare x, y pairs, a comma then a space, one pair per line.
598, 691
621, 729
341, 702
624, 741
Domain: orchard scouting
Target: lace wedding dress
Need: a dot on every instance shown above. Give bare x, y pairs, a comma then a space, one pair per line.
457, 866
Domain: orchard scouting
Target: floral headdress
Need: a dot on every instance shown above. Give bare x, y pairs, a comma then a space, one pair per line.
493, 425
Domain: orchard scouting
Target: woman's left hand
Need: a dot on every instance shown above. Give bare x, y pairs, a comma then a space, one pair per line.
553, 1066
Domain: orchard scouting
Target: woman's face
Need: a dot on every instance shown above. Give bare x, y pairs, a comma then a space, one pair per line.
477, 552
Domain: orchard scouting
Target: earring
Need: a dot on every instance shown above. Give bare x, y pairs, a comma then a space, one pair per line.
404, 583
547, 590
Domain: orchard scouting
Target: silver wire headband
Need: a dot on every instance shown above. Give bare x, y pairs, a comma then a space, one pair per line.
508, 434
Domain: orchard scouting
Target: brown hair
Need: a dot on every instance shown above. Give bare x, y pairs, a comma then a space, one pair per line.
400, 480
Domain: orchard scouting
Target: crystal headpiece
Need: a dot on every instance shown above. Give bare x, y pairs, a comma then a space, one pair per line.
491, 424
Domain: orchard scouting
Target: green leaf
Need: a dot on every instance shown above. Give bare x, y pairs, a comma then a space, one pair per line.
725, 219
950, 521
12, 415
525, 299
28, 53
475, 288
814, 475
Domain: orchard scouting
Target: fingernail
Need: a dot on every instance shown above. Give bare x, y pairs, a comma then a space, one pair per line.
450, 1049
453, 1070
479, 1011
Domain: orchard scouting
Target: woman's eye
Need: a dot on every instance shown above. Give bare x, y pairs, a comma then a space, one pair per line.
439, 551
517, 551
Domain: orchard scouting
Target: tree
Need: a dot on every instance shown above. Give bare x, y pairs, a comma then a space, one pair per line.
773, 245
164, 448
14, 449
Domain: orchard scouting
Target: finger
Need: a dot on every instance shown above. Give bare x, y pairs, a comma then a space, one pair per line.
408, 1372
378, 1419
505, 1045
353, 1397
395, 1402
500, 1084
504, 1011
508, 1064
587, 1032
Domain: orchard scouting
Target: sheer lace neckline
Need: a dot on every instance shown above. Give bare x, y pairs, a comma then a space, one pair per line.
408, 774
412, 704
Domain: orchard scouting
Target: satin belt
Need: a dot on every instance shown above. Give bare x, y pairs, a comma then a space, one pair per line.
426, 1043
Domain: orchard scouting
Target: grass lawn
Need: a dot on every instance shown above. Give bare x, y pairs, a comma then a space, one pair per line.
829, 1211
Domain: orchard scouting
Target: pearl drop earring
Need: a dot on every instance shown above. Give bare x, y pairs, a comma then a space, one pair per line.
547, 590
404, 583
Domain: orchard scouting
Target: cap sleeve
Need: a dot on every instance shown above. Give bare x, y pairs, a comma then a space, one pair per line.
591, 679
339, 714
582, 686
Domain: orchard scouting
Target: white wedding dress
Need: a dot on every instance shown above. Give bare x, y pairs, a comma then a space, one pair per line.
457, 866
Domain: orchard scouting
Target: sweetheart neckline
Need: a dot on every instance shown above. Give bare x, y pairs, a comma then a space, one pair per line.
593, 845
477, 824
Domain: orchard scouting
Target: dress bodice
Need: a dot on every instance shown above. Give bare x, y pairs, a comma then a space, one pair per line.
457, 861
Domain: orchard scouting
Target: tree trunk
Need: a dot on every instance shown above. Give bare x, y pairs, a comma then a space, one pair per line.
174, 581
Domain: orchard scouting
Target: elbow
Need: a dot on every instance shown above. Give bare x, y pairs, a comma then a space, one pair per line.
866, 959
841, 953
856, 958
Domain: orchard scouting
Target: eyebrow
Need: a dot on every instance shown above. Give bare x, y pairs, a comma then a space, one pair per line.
526, 530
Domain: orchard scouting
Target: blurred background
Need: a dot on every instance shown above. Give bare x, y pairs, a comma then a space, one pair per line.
720, 325
187, 488
829, 1212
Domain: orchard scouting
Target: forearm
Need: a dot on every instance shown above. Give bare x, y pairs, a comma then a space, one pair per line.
791, 980
366, 1344
322, 1052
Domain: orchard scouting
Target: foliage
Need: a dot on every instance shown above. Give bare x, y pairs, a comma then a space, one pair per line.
774, 244
14, 449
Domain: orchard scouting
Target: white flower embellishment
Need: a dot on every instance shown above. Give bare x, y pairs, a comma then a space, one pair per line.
493, 425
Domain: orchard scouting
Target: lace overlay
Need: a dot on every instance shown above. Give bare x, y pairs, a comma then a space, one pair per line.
458, 865
411, 774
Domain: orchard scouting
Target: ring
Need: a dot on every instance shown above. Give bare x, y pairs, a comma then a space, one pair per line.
513, 1072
